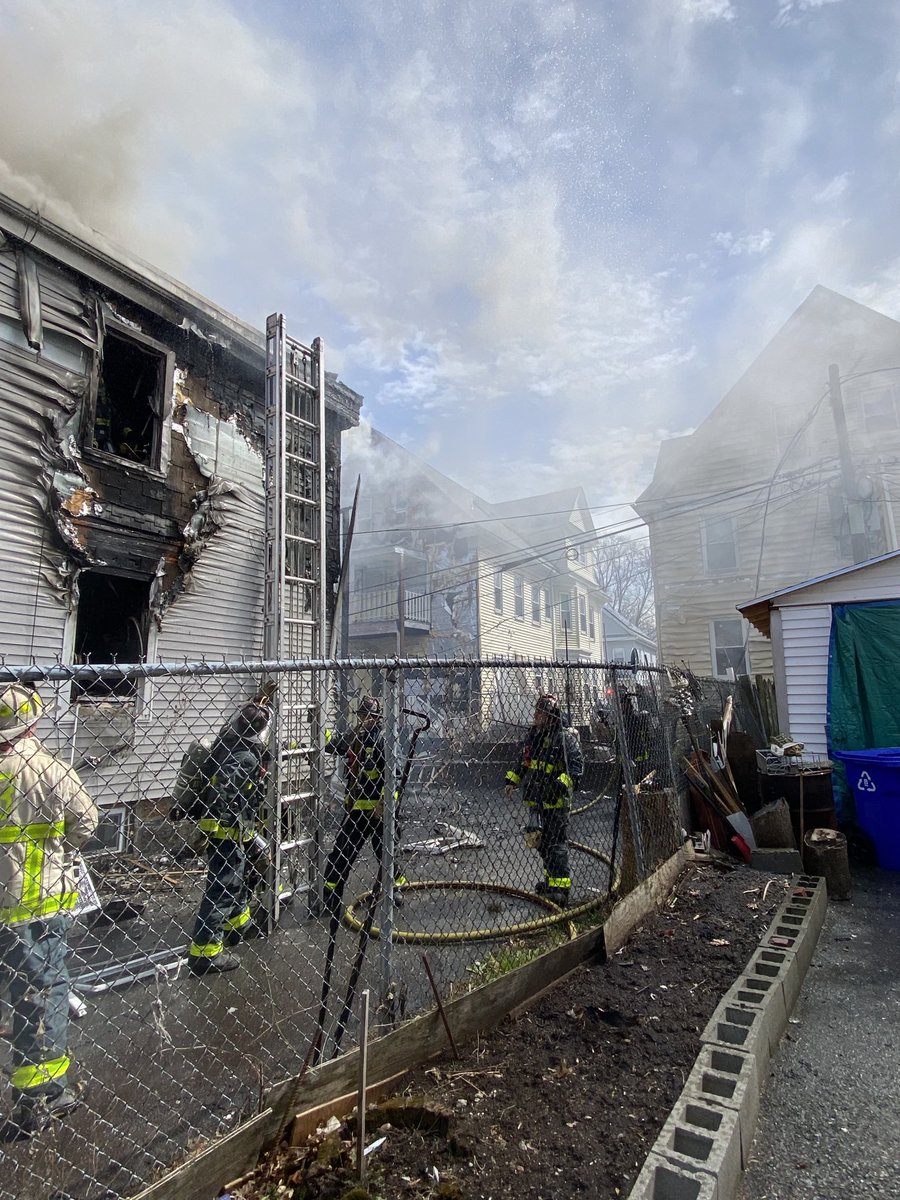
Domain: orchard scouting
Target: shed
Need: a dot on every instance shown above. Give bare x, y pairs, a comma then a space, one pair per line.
799, 621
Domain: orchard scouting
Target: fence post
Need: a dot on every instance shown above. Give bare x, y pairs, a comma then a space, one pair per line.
391, 779
628, 779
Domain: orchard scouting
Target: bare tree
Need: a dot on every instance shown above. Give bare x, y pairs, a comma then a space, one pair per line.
623, 571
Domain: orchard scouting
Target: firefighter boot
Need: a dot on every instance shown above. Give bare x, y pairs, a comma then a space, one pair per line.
215, 965
33, 1114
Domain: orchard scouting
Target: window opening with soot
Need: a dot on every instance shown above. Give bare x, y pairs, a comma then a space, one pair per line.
111, 627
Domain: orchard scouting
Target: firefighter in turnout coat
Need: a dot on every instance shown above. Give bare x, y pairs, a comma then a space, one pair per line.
548, 770
236, 772
45, 815
363, 750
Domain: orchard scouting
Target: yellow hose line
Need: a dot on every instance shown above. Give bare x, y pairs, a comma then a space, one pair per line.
604, 794
558, 916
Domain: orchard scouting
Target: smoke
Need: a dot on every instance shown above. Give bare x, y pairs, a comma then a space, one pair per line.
126, 117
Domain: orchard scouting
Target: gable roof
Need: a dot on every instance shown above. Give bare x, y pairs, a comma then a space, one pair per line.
628, 629
824, 317
758, 612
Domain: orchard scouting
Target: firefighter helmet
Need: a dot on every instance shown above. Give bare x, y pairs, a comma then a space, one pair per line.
548, 704
20, 709
368, 706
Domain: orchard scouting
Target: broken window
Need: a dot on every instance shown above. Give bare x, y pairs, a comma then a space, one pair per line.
111, 626
132, 382
728, 643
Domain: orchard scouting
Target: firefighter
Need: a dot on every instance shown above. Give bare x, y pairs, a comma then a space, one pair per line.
45, 815
363, 750
236, 769
549, 768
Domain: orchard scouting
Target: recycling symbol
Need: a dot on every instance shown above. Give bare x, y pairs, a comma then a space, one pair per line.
866, 783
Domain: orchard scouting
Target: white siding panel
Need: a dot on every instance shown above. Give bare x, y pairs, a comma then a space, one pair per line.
806, 630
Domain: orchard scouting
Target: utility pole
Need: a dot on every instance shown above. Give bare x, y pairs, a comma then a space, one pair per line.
401, 606
858, 541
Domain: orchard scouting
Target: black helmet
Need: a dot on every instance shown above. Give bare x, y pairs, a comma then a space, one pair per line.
368, 706
548, 704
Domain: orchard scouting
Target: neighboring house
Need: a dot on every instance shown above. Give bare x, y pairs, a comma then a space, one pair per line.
478, 579
799, 621
625, 643
131, 463
755, 499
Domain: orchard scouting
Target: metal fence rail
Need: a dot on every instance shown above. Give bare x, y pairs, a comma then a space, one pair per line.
170, 1058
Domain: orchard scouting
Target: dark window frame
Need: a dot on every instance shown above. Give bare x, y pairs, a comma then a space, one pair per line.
119, 331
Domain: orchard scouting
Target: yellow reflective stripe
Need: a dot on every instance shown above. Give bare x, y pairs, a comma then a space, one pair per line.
553, 804
39, 831
27, 1077
561, 881
372, 773
513, 778
327, 736
400, 881
365, 805
31, 874
208, 824
8, 795
228, 833
567, 780
540, 765
46, 908
209, 950
239, 921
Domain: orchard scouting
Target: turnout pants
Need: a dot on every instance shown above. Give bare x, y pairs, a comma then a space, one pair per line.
34, 962
555, 848
356, 828
225, 907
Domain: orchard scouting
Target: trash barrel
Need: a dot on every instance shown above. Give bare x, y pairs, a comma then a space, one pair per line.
873, 776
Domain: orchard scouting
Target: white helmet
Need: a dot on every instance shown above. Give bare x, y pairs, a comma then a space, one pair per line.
20, 709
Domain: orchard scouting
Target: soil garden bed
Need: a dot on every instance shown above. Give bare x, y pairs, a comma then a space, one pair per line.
565, 1100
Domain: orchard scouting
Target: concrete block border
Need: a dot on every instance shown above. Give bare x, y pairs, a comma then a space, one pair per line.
705, 1142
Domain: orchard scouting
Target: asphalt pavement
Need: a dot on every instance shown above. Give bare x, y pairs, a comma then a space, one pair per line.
829, 1125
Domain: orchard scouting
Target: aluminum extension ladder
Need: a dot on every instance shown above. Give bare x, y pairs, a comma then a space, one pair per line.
295, 606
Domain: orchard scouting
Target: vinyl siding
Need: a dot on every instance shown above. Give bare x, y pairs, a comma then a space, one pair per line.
805, 634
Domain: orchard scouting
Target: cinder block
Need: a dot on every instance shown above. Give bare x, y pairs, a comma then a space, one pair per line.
776, 862
662, 1179
778, 965
703, 1138
739, 1028
727, 1079
811, 889
767, 999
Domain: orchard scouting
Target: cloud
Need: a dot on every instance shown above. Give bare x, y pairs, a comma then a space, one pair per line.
791, 11
750, 244
834, 189
705, 10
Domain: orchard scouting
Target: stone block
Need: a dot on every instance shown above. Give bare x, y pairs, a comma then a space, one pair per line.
779, 965
662, 1179
703, 1138
765, 997
737, 1028
727, 1079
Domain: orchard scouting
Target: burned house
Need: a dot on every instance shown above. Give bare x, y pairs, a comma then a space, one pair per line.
131, 467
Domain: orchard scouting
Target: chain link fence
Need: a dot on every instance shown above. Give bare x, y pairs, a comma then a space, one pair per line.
172, 1051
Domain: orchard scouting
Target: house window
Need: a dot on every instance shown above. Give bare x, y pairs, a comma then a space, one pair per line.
728, 644
128, 406
582, 613
519, 595
111, 625
535, 604
565, 610
593, 623
548, 605
719, 544
111, 834
879, 409
498, 591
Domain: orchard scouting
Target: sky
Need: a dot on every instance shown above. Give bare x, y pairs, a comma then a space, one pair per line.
538, 236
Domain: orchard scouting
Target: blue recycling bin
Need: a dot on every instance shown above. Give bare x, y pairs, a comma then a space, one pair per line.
874, 778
